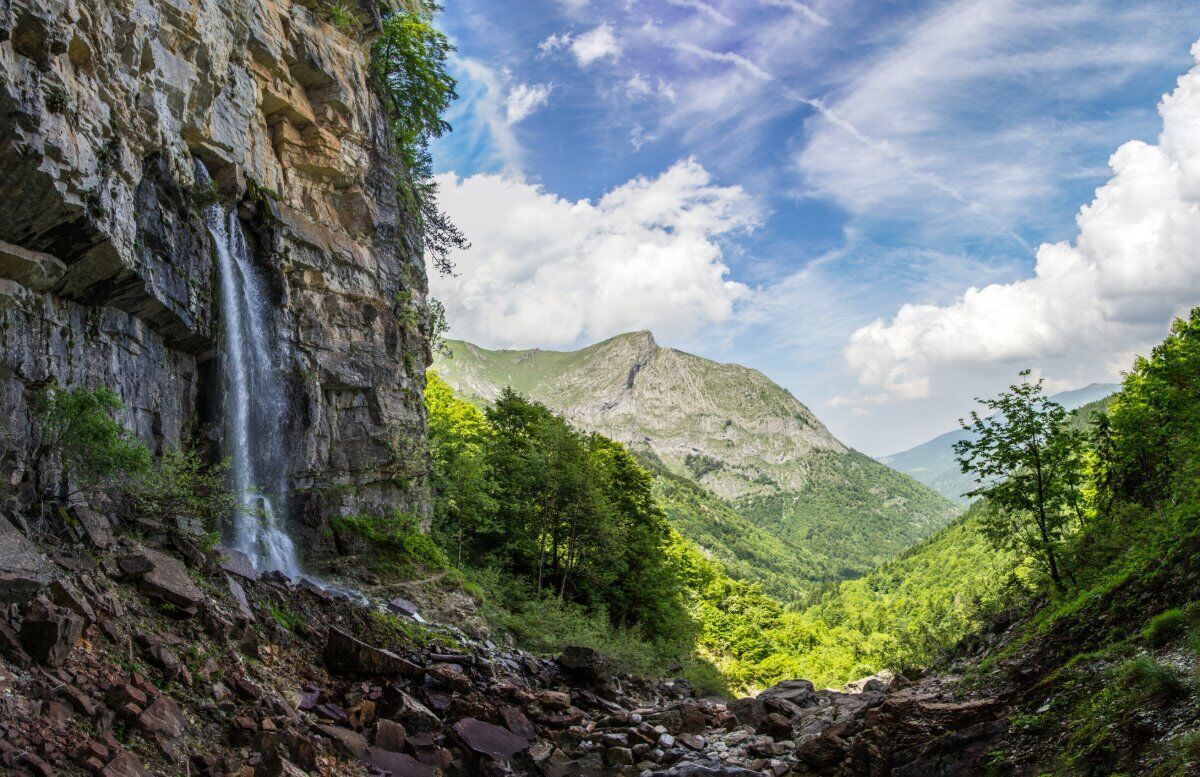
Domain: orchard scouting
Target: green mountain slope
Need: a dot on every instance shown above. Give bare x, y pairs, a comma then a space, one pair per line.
933, 463
736, 433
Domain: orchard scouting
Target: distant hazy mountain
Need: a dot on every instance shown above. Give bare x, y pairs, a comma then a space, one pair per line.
933, 462
732, 430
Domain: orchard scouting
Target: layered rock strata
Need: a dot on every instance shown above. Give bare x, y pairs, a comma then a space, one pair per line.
106, 269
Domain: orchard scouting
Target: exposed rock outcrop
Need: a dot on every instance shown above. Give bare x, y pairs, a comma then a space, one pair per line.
106, 268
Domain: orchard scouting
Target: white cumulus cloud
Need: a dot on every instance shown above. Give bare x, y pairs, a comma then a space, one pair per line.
524, 99
1134, 264
547, 271
592, 46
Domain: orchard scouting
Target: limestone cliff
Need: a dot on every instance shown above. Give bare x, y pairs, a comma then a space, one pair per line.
106, 269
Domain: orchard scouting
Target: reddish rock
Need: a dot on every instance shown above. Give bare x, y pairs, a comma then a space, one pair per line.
162, 718
450, 675
48, 632
487, 739
162, 577
390, 735
125, 764
517, 723
554, 700
120, 695
65, 594
397, 764
349, 741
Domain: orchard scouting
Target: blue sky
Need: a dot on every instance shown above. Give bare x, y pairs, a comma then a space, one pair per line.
813, 188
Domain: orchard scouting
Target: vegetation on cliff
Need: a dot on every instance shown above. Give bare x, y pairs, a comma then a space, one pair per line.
409, 65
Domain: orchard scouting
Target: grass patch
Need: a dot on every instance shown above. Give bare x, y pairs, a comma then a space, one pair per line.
1165, 628
289, 619
543, 623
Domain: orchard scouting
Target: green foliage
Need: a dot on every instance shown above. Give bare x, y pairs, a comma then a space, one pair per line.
77, 426
573, 514
205, 195
181, 485
57, 99
1028, 464
544, 623
340, 14
1165, 628
408, 66
700, 465
397, 542
891, 513
289, 619
747, 551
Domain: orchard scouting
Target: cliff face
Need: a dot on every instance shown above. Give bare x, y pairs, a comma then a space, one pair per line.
107, 271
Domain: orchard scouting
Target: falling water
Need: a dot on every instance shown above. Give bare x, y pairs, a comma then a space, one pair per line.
254, 400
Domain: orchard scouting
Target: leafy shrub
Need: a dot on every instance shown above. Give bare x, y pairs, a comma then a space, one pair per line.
180, 485
1165, 628
341, 15
99, 454
543, 623
77, 426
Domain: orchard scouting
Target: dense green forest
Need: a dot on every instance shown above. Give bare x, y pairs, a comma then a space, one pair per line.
811, 517
570, 533
1139, 473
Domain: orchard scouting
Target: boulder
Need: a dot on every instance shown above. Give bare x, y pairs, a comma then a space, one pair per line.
516, 722
65, 594
350, 741
125, 764
416, 716
390, 735
798, 692
346, 655
162, 718
23, 569
397, 764
488, 739
48, 632
584, 664
94, 527
235, 562
161, 576
823, 751
32, 269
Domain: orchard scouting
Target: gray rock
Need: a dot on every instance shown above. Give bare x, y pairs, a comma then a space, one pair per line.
23, 569
32, 269
235, 562
345, 655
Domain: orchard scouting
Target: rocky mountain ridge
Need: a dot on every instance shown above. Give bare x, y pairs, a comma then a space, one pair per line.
728, 428
673, 403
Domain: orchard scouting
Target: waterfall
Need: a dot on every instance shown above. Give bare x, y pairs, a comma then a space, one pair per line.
254, 401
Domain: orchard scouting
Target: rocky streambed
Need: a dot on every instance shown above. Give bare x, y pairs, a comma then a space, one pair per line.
151, 656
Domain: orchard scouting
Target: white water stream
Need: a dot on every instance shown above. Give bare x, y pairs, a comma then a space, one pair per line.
254, 401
